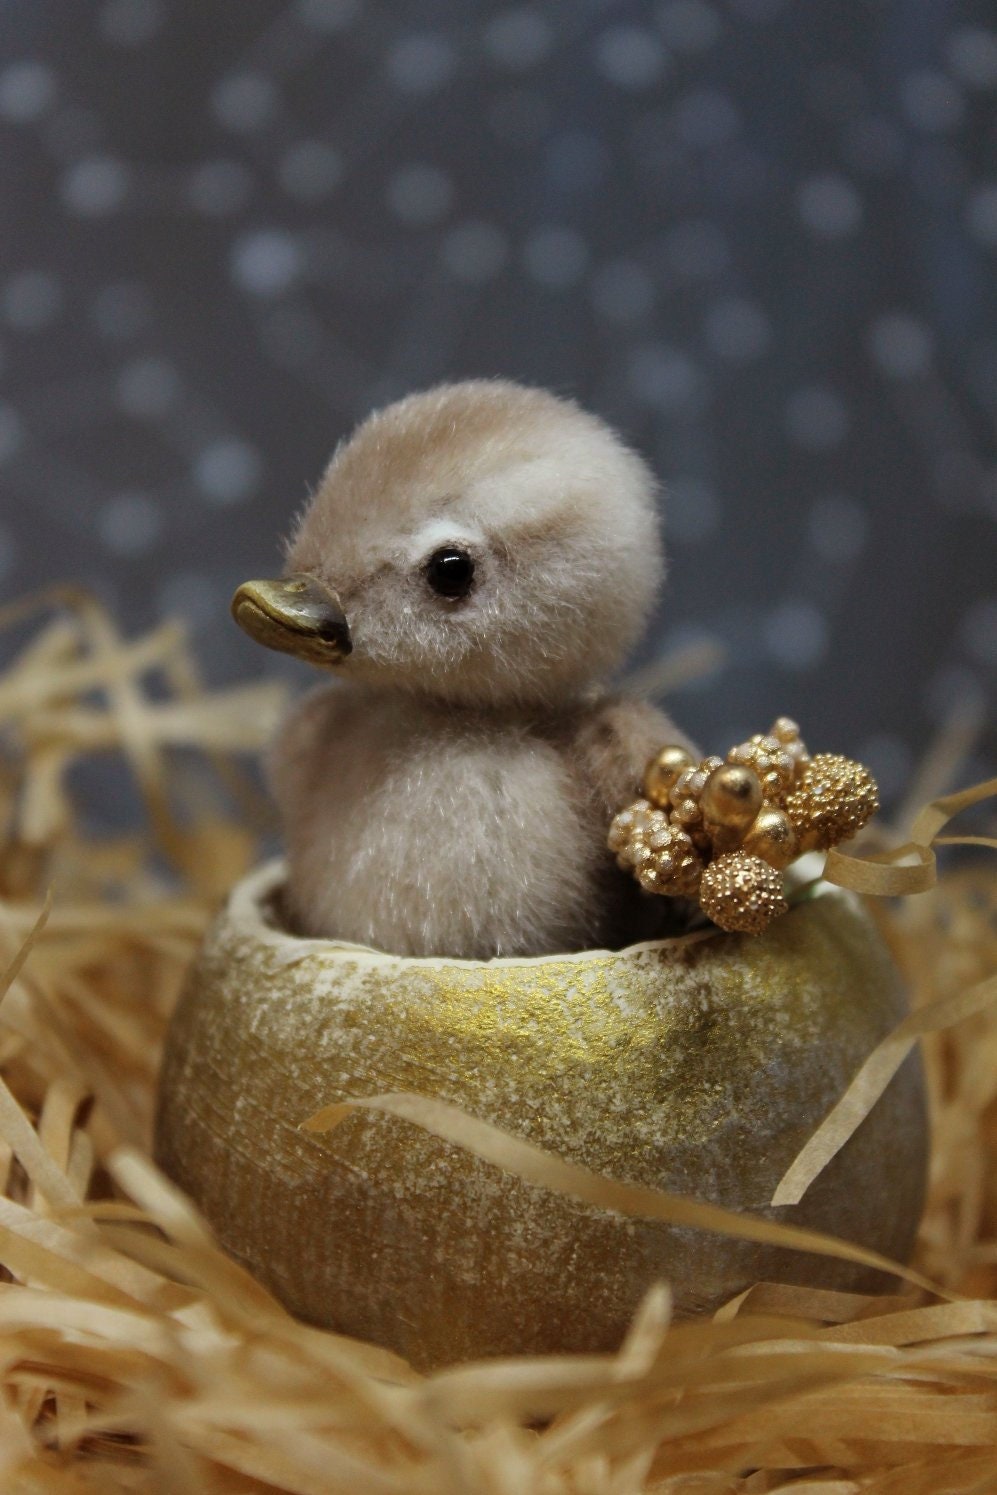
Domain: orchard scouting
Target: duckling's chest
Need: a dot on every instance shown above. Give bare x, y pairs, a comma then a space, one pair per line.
432, 834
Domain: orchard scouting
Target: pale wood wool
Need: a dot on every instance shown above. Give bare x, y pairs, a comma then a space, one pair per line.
449, 792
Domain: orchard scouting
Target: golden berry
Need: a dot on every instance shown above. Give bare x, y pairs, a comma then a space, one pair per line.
741, 893
659, 854
772, 836
662, 771
774, 765
732, 796
833, 799
787, 733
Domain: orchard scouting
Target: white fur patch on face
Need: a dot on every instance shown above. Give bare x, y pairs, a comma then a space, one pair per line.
436, 533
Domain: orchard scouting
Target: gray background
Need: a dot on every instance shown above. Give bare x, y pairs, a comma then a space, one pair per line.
760, 236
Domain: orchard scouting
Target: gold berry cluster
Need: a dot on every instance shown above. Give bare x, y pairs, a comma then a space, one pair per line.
723, 830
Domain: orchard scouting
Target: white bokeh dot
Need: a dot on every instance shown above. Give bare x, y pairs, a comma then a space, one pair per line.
696, 249
796, 634
419, 194
130, 23
689, 25
244, 102
310, 170
27, 91
218, 188
838, 528
422, 62
328, 15
981, 214
817, 418
31, 300
931, 102
971, 54
737, 329
518, 39
11, 432
129, 524
665, 378
147, 388
829, 206
692, 512
121, 310
266, 262
900, 344
228, 471
475, 252
94, 186
706, 117
632, 57
623, 292
555, 257
978, 631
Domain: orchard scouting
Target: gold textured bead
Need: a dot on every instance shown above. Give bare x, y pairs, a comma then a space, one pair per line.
688, 787
787, 733
741, 893
774, 765
663, 770
684, 796
732, 796
772, 836
622, 826
833, 799
657, 852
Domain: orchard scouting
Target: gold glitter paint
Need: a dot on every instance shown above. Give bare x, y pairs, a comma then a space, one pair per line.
699, 1066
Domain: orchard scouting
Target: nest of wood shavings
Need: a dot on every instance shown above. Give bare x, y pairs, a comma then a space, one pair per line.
136, 1357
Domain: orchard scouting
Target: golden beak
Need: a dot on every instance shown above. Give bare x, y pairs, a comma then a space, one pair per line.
297, 616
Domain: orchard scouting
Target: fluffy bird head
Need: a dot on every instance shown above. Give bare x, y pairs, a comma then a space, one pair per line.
479, 542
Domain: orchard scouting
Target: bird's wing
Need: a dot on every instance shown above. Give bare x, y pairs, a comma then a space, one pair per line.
613, 744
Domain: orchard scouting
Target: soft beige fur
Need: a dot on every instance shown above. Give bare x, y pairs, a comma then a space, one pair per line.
450, 792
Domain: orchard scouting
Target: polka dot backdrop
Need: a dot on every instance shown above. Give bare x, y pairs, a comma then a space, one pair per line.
760, 237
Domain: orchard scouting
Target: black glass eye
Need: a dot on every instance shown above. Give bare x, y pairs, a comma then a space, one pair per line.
450, 572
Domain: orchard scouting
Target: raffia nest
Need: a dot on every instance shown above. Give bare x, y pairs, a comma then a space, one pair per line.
135, 1356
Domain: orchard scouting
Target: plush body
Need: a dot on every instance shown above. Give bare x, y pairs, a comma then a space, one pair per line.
450, 792
461, 831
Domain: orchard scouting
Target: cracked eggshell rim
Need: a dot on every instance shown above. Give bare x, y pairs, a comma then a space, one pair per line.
246, 911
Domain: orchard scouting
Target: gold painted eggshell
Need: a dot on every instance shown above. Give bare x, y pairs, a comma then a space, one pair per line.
700, 1068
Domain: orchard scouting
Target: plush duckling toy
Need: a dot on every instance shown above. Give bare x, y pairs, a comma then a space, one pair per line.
474, 564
